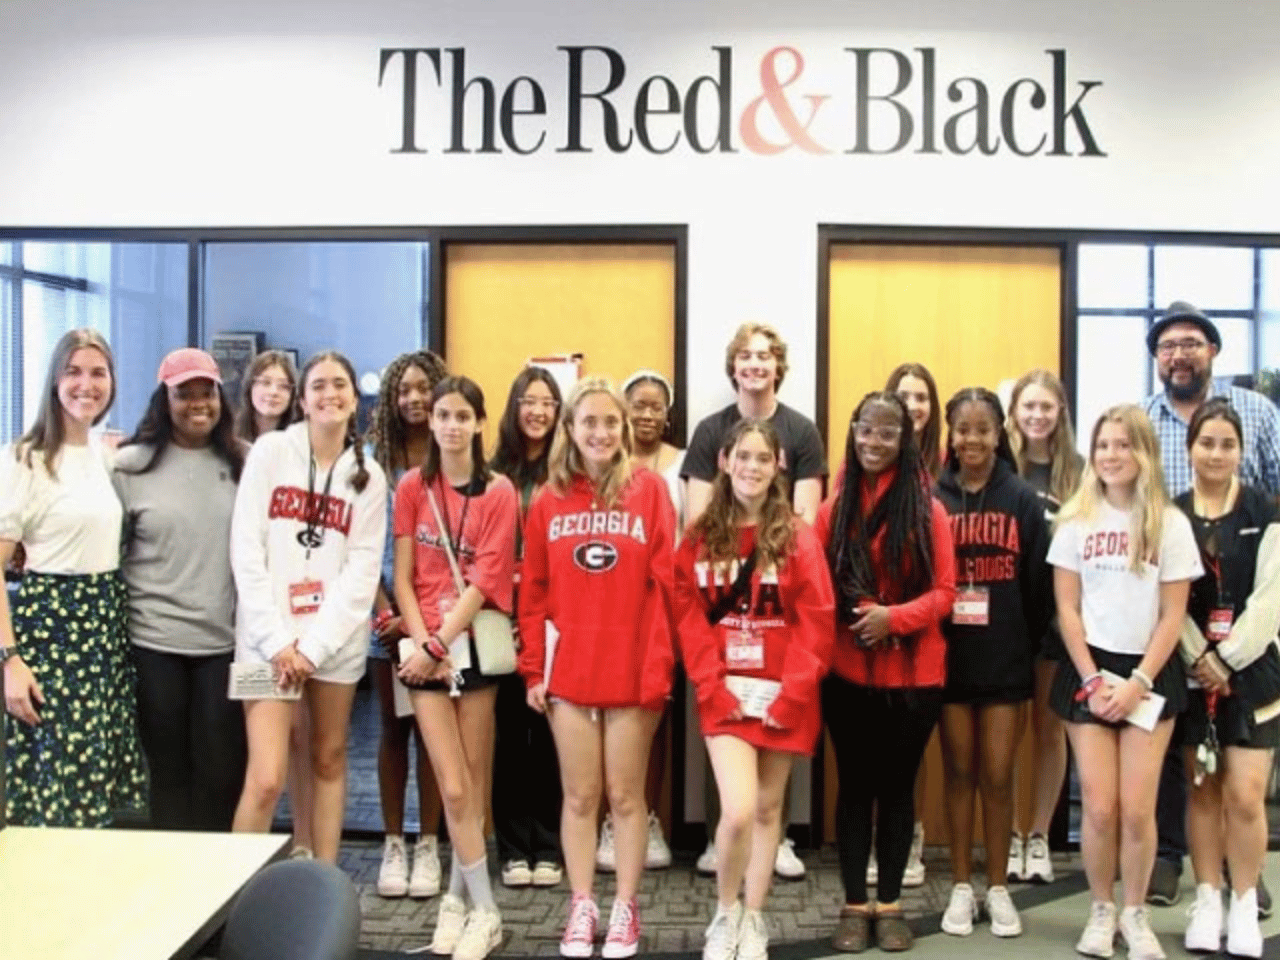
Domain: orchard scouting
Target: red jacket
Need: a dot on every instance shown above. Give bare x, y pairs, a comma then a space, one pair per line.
603, 578
923, 661
790, 613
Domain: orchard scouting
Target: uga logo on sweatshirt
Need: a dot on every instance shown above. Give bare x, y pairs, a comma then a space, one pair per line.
595, 556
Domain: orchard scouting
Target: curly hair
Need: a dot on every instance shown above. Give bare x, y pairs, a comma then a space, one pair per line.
777, 346
904, 513
719, 524
386, 434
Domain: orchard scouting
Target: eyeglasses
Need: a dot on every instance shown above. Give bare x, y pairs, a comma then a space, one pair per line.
1167, 348
866, 431
272, 383
537, 403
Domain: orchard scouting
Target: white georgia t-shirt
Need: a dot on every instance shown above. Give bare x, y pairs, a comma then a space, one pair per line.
1120, 608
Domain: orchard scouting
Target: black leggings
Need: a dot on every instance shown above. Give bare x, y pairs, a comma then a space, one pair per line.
526, 780
879, 737
194, 739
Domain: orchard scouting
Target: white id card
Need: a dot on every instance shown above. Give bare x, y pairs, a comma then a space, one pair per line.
256, 681
1147, 713
755, 695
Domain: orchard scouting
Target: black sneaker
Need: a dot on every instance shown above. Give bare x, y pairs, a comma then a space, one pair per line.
1164, 889
1264, 900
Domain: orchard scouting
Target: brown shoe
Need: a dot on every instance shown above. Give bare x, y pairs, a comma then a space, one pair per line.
853, 933
892, 933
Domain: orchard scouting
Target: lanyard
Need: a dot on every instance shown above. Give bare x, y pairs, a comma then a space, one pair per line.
455, 545
964, 509
312, 535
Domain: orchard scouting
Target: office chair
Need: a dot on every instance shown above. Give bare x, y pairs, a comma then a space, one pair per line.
294, 910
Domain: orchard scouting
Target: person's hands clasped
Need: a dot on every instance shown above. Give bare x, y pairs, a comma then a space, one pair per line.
422, 668
22, 694
872, 626
292, 669
1212, 673
1114, 702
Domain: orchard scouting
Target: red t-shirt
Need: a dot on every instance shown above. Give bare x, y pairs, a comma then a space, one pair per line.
482, 528
782, 629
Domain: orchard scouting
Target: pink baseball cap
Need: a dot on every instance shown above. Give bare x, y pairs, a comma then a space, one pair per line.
185, 364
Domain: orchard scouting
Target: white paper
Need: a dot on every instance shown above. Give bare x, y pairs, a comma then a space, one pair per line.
256, 681
754, 694
1147, 713
565, 369
549, 655
400, 694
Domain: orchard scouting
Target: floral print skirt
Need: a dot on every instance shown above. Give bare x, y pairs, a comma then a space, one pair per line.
83, 761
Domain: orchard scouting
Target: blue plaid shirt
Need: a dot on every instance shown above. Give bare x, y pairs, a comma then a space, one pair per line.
1260, 460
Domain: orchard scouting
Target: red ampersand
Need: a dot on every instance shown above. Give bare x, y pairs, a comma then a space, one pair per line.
776, 99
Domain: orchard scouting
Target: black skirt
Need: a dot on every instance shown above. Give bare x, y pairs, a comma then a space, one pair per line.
1233, 720
1170, 683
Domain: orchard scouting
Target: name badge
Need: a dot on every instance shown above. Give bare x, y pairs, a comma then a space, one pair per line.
744, 650
1219, 624
972, 607
305, 596
754, 695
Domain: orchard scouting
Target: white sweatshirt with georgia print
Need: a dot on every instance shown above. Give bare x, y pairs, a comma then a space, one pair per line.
268, 555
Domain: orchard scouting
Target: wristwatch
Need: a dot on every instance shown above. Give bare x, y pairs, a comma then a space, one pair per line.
7, 652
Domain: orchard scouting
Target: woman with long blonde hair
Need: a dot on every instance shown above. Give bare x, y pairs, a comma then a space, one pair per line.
1124, 559
1044, 447
598, 574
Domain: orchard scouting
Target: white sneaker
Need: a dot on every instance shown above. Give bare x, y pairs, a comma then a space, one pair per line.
657, 854
1207, 920
606, 855
1016, 871
480, 936
1244, 934
753, 937
708, 861
516, 873
393, 875
1136, 931
722, 933
786, 864
913, 875
1039, 866
449, 924
580, 932
1099, 937
1004, 915
958, 918
424, 878
873, 870
546, 873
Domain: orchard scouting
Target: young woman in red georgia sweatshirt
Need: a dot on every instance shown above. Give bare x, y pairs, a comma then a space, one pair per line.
754, 611
597, 578
888, 543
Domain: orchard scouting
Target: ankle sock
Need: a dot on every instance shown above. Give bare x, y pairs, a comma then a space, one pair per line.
476, 877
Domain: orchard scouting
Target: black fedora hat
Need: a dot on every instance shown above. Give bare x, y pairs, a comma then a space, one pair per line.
1182, 312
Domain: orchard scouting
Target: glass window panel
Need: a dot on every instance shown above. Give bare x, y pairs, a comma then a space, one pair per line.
1270, 285
1112, 275
367, 300
1236, 356
6, 253
9, 419
141, 323
1111, 365
1213, 278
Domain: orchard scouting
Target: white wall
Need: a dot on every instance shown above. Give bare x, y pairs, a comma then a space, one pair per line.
141, 113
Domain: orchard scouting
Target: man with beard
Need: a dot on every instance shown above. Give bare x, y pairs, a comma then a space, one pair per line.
1184, 342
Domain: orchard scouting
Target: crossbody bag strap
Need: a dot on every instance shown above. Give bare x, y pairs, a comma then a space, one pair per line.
448, 544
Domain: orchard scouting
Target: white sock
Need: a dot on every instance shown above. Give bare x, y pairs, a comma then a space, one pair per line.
476, 876
455, 875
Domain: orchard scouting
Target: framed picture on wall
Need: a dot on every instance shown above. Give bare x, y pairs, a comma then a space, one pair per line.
234, 351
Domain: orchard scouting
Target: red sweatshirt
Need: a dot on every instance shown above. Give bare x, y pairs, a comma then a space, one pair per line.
602, 576
923, 661
785, 622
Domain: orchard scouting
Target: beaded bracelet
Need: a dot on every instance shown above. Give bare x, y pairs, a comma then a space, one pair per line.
1142, 678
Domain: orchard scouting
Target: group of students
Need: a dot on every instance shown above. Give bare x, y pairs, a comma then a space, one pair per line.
940, 584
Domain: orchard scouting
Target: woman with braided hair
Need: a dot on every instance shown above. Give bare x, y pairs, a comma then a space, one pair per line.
398, 436
307, 535
888, 545
1002, 609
